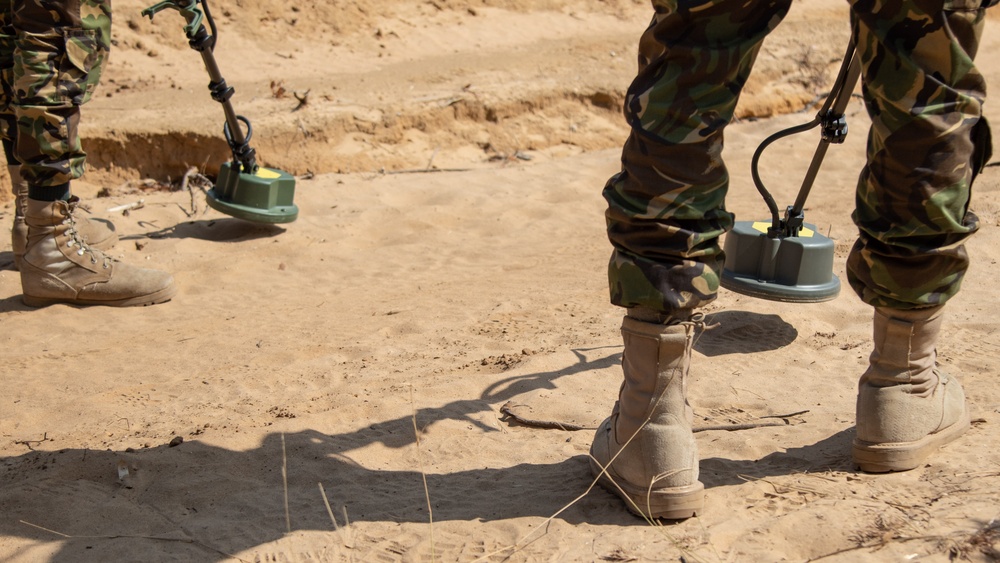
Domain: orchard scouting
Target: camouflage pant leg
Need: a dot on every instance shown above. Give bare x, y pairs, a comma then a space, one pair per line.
666, 208
8, 123
60, 50
927, 142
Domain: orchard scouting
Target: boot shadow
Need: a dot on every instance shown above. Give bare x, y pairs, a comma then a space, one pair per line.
13, 304
829, 454
7, 260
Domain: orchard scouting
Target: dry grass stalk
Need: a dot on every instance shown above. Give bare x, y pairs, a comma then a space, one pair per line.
423, 474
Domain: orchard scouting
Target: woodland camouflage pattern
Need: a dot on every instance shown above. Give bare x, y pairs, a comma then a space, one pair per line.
666, 208
927, 143
52, 54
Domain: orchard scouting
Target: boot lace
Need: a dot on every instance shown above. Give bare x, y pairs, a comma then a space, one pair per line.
82, 248
696, 325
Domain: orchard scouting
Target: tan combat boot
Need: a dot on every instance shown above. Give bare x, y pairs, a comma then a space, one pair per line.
906, 409
97, 233
645, 451
59, 267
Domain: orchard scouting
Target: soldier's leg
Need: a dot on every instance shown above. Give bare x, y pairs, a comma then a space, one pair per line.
8, 130
98, 233
8, 122
927, 143
60, 52
665, 215
666, 207
60, 49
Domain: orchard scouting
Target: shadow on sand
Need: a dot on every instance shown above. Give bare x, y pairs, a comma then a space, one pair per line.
196, 501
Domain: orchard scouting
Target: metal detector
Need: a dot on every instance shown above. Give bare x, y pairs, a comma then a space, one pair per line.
243, 189
787, 259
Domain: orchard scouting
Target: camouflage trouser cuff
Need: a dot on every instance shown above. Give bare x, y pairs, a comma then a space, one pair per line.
666, 288
60, 192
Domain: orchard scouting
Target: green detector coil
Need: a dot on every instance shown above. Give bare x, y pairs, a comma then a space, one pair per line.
262, 197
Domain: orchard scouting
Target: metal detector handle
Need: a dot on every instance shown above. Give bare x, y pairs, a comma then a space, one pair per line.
187, 9
834, 126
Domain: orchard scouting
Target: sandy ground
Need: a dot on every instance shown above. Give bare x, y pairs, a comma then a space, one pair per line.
330, 390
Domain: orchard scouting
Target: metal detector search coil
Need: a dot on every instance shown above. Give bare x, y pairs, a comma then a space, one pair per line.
262, 197
795, 269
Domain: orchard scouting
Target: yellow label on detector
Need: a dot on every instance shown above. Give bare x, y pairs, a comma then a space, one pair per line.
763, 226
267, 173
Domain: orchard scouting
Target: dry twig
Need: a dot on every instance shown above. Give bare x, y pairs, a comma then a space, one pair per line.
507, 409
303, 100
28, 443
127, 207
423, 474
284, 479
422, 170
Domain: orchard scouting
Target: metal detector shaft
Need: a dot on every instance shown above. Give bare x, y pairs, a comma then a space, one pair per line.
232, 120
850, 72
831, 118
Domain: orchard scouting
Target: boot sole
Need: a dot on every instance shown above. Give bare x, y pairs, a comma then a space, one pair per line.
669, 503
162, 296
872, 457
